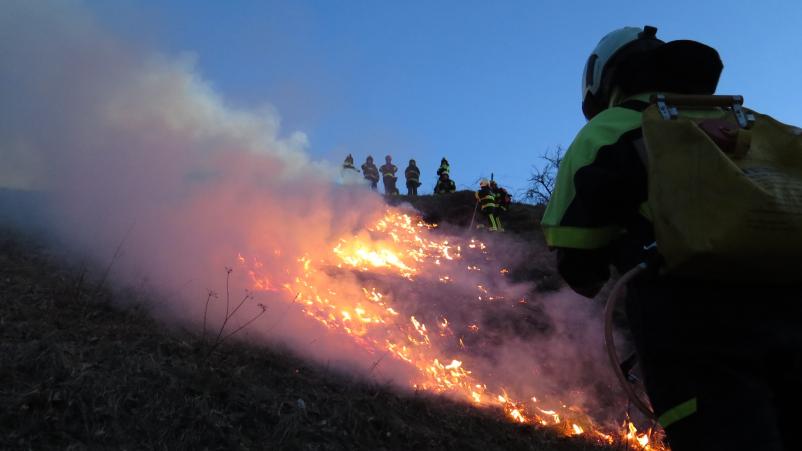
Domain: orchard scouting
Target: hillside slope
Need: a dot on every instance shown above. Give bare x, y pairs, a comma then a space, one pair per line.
521, 222
78, 371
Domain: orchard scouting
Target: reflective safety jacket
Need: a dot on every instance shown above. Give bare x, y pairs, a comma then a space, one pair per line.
503, 198
601, 182
412, 173
444, 167
371, 172
388, 170
349, 162
445, 186
486, 198
594, 217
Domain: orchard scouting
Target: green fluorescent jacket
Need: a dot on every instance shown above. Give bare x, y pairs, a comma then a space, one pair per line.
595, 187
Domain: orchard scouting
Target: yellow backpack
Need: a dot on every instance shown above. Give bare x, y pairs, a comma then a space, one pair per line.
725, 190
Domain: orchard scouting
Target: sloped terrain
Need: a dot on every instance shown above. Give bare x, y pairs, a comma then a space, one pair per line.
80, 370
521, 221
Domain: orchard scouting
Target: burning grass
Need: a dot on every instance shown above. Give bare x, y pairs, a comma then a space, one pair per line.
77, 372
431, 328
522, 220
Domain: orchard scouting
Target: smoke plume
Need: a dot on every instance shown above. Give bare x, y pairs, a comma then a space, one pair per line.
136, 151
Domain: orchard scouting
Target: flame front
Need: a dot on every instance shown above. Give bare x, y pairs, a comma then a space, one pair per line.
399, 245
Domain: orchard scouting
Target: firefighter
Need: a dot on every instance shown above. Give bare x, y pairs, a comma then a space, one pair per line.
370, 172
503, 201
722, 363
349, 173
487, 203
444, 184
349, 163
412, 174
388, 170
444, 167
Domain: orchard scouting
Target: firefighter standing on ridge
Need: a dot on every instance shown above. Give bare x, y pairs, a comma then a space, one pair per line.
444, 184
487, 202
349, 173
412, 174
370, 172
722, 362
388, 171
444, 167
503, 201
349, 163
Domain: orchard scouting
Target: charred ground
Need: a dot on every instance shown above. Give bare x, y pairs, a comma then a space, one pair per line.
85, 367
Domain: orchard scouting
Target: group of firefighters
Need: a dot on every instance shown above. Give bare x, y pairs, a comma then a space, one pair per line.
492, 199
387, 174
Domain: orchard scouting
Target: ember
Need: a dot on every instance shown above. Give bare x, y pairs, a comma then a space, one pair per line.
399, 245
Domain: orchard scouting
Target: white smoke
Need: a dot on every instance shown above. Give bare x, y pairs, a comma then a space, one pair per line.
135, 150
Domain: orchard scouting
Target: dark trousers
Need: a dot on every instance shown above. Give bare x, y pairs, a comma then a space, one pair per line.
499, 213
412, 188
389, 185
490, 212
736, 349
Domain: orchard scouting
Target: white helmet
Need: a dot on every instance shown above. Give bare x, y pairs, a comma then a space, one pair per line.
616, 45
483, 183
634, 59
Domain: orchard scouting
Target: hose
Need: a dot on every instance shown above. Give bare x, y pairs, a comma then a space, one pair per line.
615, 296
473, 216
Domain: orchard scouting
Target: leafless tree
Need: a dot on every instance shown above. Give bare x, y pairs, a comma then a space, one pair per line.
541, 182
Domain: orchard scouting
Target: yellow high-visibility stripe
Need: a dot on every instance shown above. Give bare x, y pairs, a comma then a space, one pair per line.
580, 237
605, 129
678, 412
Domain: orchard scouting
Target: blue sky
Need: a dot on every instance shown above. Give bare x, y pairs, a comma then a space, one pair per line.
489, 85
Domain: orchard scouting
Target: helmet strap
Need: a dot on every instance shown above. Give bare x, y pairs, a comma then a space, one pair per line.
591, 106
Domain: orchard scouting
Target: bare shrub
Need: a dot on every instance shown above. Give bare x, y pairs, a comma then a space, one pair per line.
542, 180
229, 313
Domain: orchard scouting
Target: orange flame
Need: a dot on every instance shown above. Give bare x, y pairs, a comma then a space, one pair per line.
399, 244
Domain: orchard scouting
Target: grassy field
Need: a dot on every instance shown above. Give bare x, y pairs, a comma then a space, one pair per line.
85, 367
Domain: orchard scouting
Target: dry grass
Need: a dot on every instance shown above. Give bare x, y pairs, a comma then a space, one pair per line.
79, 372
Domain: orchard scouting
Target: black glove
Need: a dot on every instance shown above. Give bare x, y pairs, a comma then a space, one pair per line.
584, 270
